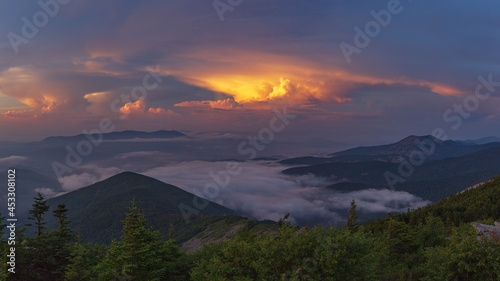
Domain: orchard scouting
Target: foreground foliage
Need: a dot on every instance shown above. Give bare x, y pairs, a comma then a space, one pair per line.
436, 242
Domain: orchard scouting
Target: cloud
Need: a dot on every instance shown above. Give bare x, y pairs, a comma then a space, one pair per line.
139, 108
133, 107
86, 175
162, 112
227, 104
12, 160
76, 181
48, 192
248, 63
25, 85
261, 192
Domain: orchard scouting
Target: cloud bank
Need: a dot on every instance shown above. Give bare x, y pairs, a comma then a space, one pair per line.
261, 192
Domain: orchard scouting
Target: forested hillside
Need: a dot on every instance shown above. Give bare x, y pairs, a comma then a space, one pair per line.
436, 242
97, 211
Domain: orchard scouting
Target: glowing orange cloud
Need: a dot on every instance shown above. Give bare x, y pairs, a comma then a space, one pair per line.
139, 108
38, 107
133, 107
161, 111
29, 88
15, 114
158, 110
227, 104
255, 77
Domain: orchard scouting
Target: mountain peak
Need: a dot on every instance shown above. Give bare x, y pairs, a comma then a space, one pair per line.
412, 138
107, 201
411, 144
128, 179
127, 174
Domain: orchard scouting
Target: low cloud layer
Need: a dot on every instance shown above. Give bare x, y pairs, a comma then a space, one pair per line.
12, 161
86, 175
261, 192
258, 191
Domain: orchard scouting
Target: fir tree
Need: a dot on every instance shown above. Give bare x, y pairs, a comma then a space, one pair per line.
140, 254
40, 207
46, 255
352, 219
59, 239
63, 230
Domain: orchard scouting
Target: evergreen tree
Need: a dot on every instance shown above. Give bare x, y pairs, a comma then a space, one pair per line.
83, 261
141, 255
40, 207
45, 256
59, 242
352, 219
2, 225
63, 230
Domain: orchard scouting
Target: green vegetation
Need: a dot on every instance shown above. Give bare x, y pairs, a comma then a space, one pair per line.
436, 242
96, 211
44, 256
352, 219
141, 255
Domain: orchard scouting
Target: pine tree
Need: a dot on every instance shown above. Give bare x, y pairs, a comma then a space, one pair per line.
140, 254
83, 261
60, 213
352, 219
60, 240
40, 207
36, 254
2, 225
45, 256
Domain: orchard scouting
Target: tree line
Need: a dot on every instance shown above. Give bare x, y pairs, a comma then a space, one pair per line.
435, 242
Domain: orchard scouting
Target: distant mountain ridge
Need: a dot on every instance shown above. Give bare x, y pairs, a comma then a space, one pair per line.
452, 167
404, 147
484, 140
393, 152
124, 135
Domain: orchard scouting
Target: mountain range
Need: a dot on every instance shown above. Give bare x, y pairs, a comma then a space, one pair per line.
124, 135
98, 209
443, 168
403, 148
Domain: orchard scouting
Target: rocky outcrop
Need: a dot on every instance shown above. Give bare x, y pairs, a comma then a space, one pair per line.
484, 230
208, 237
476, 186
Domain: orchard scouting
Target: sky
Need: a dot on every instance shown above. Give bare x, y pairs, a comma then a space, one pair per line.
350, 71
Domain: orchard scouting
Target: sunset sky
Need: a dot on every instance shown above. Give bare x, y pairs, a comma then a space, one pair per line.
227, 75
